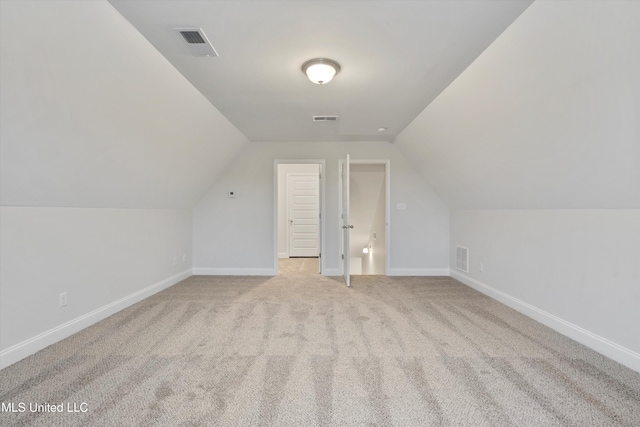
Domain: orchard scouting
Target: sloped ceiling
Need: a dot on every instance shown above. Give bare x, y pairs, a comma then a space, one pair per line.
396, 57
548, 117
93, 116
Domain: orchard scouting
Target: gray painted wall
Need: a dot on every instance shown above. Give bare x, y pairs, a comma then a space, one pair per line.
100, 121
542, 126
104, 259
545, 118
535, 148
236, 236
88, 125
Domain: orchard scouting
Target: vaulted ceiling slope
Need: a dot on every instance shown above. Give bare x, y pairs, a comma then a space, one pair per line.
93, 116
395, 57
548, 117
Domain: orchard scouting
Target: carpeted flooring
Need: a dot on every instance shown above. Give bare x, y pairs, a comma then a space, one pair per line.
301, 349
289, 266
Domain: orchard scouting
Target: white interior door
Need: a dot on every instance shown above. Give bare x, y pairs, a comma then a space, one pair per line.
346, 226
303, 191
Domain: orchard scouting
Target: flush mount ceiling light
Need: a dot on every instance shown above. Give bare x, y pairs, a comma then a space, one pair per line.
320, 70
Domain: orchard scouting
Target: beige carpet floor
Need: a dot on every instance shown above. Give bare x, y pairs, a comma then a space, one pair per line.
301, 349
289, 266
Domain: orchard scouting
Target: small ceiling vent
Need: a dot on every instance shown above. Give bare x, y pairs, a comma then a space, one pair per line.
325, 118
462, 259
196, 41
192, 37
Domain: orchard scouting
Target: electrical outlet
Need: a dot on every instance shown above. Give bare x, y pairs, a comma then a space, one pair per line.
175, 260
481, 267
63, 299
184, 258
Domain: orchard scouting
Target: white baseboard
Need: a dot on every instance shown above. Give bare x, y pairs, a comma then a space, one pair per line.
234, 271
28, 347
283, 255
335, 272
418, 272
620, 354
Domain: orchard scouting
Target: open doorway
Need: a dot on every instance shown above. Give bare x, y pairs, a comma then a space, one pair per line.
364, 208
367, 201
299, 206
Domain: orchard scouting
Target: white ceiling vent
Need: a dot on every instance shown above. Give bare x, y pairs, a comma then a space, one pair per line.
196, 41
462, 259
325, 118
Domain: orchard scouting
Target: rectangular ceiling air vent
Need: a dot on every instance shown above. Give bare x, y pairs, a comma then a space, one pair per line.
196, 41
325, 118
192, 37
462, 259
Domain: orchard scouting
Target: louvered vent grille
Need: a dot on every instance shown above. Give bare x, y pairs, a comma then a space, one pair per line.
325, 118
196, 41
462, 259
192, 37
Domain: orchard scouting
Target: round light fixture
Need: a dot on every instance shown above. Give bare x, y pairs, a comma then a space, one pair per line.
320, 70
381, 129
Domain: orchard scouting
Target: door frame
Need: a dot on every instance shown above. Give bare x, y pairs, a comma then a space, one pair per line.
387, 202
345, 221
321, 200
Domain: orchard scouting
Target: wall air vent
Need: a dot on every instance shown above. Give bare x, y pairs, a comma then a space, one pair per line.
196, 41
462, 259
325, 118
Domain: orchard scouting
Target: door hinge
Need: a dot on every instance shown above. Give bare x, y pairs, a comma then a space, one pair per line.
320, 255
342, 256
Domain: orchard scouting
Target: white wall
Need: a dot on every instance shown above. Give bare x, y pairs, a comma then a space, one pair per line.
545, 118
235, 236
105, 259
535, 148
94, 116
283, 227
581, 266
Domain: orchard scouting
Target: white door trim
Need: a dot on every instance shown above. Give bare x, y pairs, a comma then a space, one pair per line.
387, 190
320, 162
345, 220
